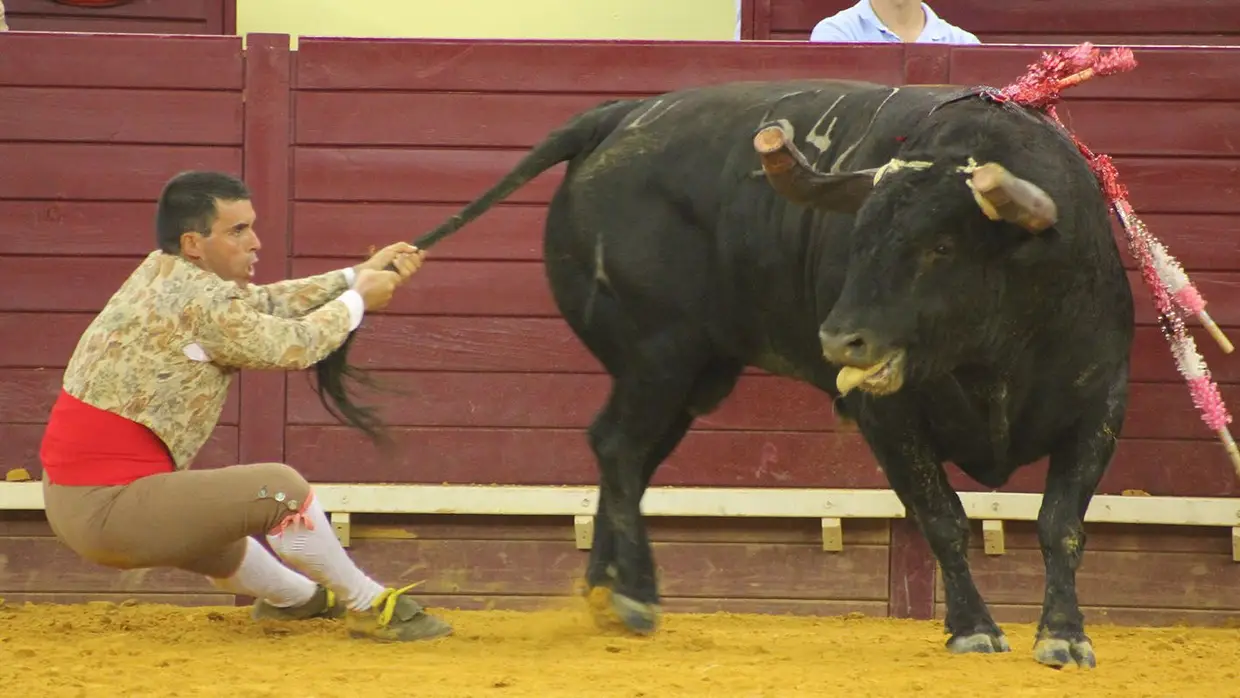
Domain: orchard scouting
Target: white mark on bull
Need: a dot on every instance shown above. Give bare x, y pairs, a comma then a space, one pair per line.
600, 277
642, 120
835, 166
822, 141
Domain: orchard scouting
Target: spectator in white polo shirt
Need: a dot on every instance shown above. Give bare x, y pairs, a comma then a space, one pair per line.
878, 21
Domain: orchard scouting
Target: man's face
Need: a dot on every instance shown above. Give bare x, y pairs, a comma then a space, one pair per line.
231, 250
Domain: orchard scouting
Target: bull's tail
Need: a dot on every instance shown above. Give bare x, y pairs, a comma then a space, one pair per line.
580, 135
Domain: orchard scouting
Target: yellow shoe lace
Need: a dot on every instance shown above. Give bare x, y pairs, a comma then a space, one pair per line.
387, 603
331, 599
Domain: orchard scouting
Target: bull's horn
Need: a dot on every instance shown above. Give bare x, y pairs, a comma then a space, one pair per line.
1004, 196
794, 178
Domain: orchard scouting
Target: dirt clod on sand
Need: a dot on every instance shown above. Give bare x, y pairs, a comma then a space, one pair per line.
104, 650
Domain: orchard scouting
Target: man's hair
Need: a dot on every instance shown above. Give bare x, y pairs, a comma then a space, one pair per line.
187, 204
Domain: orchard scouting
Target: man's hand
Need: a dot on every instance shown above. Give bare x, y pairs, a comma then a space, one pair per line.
376, 287
405, 257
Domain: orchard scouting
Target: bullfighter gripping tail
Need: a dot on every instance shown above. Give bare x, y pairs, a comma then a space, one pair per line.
144, 390
938, 259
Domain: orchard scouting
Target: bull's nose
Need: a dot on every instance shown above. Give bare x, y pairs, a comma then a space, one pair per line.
848, 348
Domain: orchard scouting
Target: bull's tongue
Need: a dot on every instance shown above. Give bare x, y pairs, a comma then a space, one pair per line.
850, 377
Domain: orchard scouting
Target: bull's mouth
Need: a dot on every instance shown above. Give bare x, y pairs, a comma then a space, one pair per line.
882, 378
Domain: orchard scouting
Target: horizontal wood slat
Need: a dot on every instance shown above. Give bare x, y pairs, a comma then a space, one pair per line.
759, 402
121, 60
103, 172
537, 66
176, 117
707, 458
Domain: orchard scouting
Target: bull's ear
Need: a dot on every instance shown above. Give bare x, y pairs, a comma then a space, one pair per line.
795, 178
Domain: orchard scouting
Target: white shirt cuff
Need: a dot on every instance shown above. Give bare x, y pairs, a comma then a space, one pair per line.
350, 276
357, 307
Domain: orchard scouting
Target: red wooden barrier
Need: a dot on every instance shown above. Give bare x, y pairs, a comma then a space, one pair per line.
133, 17
351, 143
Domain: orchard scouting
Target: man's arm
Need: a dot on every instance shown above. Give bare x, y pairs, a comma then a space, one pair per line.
233, 333
296, 297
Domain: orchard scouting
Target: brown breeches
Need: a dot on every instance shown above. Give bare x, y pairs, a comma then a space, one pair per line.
195, 520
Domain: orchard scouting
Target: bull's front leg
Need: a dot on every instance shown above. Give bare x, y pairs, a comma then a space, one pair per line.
916, 474
1076, 467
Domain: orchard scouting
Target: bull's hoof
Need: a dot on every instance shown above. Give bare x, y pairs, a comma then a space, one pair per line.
1057, 653
978, 643
612, 611
638, 617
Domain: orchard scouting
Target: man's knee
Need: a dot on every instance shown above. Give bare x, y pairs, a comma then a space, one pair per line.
279, 482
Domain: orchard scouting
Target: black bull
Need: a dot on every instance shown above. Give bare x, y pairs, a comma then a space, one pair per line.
941, 265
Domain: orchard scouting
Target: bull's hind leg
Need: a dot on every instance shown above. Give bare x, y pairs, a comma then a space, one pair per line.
644, 420
1076, 467
917, 476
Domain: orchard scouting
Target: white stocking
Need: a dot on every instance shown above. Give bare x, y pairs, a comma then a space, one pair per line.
262, 576
309, 544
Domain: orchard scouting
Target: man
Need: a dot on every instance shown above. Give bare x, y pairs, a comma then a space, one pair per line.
144, 389
879, 21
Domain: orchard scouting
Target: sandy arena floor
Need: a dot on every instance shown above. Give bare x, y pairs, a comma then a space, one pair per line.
103, 650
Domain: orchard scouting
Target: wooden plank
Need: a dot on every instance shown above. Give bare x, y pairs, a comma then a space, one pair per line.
144, 9
86, 597
90, 228
433, 175
669, 604
562, 457
1172, 185
26, 396
670, 529
325, 63
560, 400
108, 25
1139, 538
570, 400
47, 340
1154, 128
267, 153
1112, 578
1161, 467
179, 117
1200, 242
709, 458
21, 448
1220, 289
685, 569
103, 172
461, 288
63, 283
1162, 73
120, 60
1048, 16
45, 565
507, 232
433, 119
